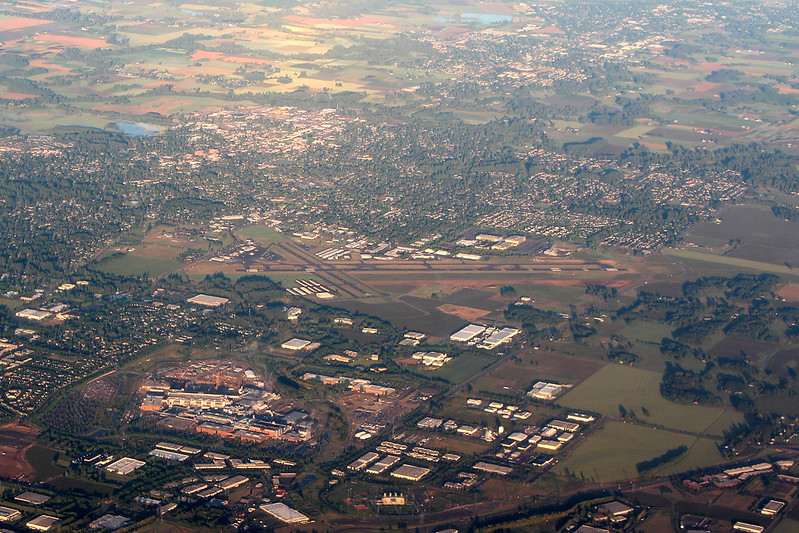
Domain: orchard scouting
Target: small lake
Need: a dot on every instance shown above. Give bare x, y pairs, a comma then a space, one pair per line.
138, 129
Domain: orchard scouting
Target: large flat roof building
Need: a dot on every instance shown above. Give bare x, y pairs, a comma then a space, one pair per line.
42, 522
32, 498
468, 333
410, 472
207, 300
295, 344
124, 466
7, 514
284, 513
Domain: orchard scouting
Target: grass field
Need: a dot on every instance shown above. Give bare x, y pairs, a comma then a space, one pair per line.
460, 368
634, 389
43, 462
612, 453
734, 262
263, 235
133, 265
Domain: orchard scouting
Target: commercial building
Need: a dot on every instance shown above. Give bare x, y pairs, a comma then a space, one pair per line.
748, 528
124, 466
284, 513
166, 454
492, 468
32, 498
545, 391
208, 301
410, 472
383, 464
42, 522
571, 427
772, 507
7, 514
36, 315
295, 344
110, 522
233, 482
363, 462
468, 333
498, 337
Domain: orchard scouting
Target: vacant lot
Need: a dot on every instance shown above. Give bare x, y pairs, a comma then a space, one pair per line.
638, 391
614, 452
15, 441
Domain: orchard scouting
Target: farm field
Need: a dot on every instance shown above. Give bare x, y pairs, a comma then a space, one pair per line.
612, 453
638, 391
460, 368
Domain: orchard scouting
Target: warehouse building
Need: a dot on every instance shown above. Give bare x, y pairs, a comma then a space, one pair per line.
468, 333
410, 472
208, 301
284, 513
124, 466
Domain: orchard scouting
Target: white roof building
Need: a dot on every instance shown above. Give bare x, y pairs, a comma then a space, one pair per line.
284, 513
468, 333
42, 522
208, 301
124, 466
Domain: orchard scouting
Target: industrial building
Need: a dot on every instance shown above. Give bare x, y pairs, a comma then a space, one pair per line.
110, 522
545, 391
124, 466
32, 498
208, 301
492, 468
284, 513
7, 514
468, 333
42, 522
166, 454
410, 472
295, 344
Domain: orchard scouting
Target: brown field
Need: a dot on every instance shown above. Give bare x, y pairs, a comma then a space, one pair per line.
17, 96
704, 86
68, 40
659, 146
467, 313
49, 66
16, 23
789, 292
15, 439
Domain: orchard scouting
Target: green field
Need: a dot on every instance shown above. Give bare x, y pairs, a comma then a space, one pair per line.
731, 261
613, 452
638, 390
43, 462
460, 368
263, 235
132, 265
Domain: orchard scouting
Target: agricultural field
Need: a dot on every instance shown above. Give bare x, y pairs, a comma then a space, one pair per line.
613, 452
638, 391
750, 233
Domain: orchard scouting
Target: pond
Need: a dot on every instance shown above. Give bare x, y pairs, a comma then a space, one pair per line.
138, 129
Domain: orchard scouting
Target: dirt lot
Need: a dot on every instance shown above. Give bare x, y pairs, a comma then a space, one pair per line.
467, 313
15, 439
